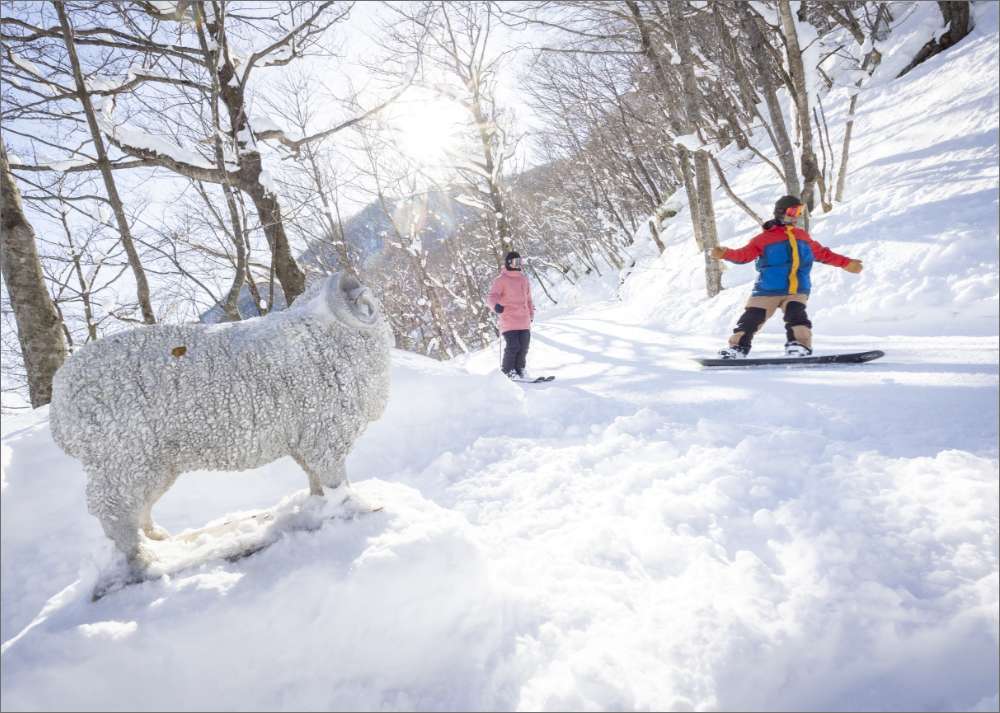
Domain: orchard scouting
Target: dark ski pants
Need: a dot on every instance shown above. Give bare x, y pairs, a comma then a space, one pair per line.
798, 328
515, 354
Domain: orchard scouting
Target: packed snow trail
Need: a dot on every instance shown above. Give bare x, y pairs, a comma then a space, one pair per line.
642, 533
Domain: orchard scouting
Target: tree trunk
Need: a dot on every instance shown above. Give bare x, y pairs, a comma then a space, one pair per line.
141, 284
845, 151
504, 232
85, 287
709, 236
957, 18
801, 97
654, 233
779, 131
39, 329
692, 195
230, 305
290, 276
732, 195
871, 62
748, 97
283, 264
692, 123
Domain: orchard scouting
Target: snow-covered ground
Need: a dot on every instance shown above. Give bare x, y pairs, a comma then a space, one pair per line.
638, 534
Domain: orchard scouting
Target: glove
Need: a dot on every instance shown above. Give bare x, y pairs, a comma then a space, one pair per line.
854, 266
498, 308
717, 253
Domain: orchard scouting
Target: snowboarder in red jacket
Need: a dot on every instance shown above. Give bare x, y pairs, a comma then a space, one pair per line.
785, 256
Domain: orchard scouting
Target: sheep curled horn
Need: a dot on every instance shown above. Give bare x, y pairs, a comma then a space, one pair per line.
143, 406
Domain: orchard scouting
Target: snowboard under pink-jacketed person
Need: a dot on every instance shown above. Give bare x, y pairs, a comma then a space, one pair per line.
510, 297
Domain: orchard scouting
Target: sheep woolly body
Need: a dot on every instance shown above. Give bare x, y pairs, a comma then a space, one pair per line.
140, 407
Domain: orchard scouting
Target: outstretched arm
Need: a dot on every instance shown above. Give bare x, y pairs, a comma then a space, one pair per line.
749, 252
828, 257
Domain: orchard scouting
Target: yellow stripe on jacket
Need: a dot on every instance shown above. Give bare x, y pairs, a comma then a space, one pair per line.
793, 276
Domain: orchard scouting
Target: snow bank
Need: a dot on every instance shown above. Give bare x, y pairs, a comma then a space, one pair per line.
384, 612
388, 610
613, 541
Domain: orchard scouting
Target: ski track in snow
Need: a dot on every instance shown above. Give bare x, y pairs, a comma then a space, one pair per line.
640, 533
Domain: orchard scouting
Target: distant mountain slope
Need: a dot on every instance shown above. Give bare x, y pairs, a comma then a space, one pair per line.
368, 232
436, 213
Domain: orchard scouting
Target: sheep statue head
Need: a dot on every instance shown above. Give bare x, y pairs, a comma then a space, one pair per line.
351, 302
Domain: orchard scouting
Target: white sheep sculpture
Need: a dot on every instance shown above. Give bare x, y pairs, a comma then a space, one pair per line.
140, 407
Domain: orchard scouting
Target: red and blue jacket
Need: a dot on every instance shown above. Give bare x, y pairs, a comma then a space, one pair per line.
784, 256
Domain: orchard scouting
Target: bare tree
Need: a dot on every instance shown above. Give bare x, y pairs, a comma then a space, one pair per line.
39, 329
314, 178
870, 63
800, 95
778, 132
184, 93
461, 63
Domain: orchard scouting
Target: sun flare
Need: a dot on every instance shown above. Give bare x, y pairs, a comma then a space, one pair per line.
430, 128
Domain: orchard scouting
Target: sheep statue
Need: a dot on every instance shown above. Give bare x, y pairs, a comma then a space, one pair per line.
140, 407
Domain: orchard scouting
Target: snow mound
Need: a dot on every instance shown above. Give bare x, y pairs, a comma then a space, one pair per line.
384, 610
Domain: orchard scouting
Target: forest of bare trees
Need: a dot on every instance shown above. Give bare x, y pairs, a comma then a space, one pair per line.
167, 161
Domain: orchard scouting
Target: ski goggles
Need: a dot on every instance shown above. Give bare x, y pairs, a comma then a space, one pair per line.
794, 211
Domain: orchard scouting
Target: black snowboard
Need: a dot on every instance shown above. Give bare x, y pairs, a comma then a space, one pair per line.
539, 380
856, 358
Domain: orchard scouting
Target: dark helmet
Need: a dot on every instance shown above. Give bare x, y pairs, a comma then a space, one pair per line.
510, 258
783, 204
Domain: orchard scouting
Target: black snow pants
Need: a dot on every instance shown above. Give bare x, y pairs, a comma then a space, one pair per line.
515, 354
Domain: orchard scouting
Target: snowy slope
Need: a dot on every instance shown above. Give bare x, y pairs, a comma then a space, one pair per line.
639, 534
921, 210
636, 535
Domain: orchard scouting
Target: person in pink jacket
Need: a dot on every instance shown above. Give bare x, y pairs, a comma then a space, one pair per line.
510, 297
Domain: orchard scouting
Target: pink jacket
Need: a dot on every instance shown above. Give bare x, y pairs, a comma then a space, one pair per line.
512, 291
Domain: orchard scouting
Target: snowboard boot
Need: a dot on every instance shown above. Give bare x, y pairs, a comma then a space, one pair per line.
794, 349
732, 353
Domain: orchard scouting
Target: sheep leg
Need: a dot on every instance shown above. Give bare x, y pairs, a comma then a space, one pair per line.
315, 485
152, 530
120, 512
334, 474
324, 471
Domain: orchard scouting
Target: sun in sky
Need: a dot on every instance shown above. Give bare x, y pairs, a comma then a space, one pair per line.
430, 128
